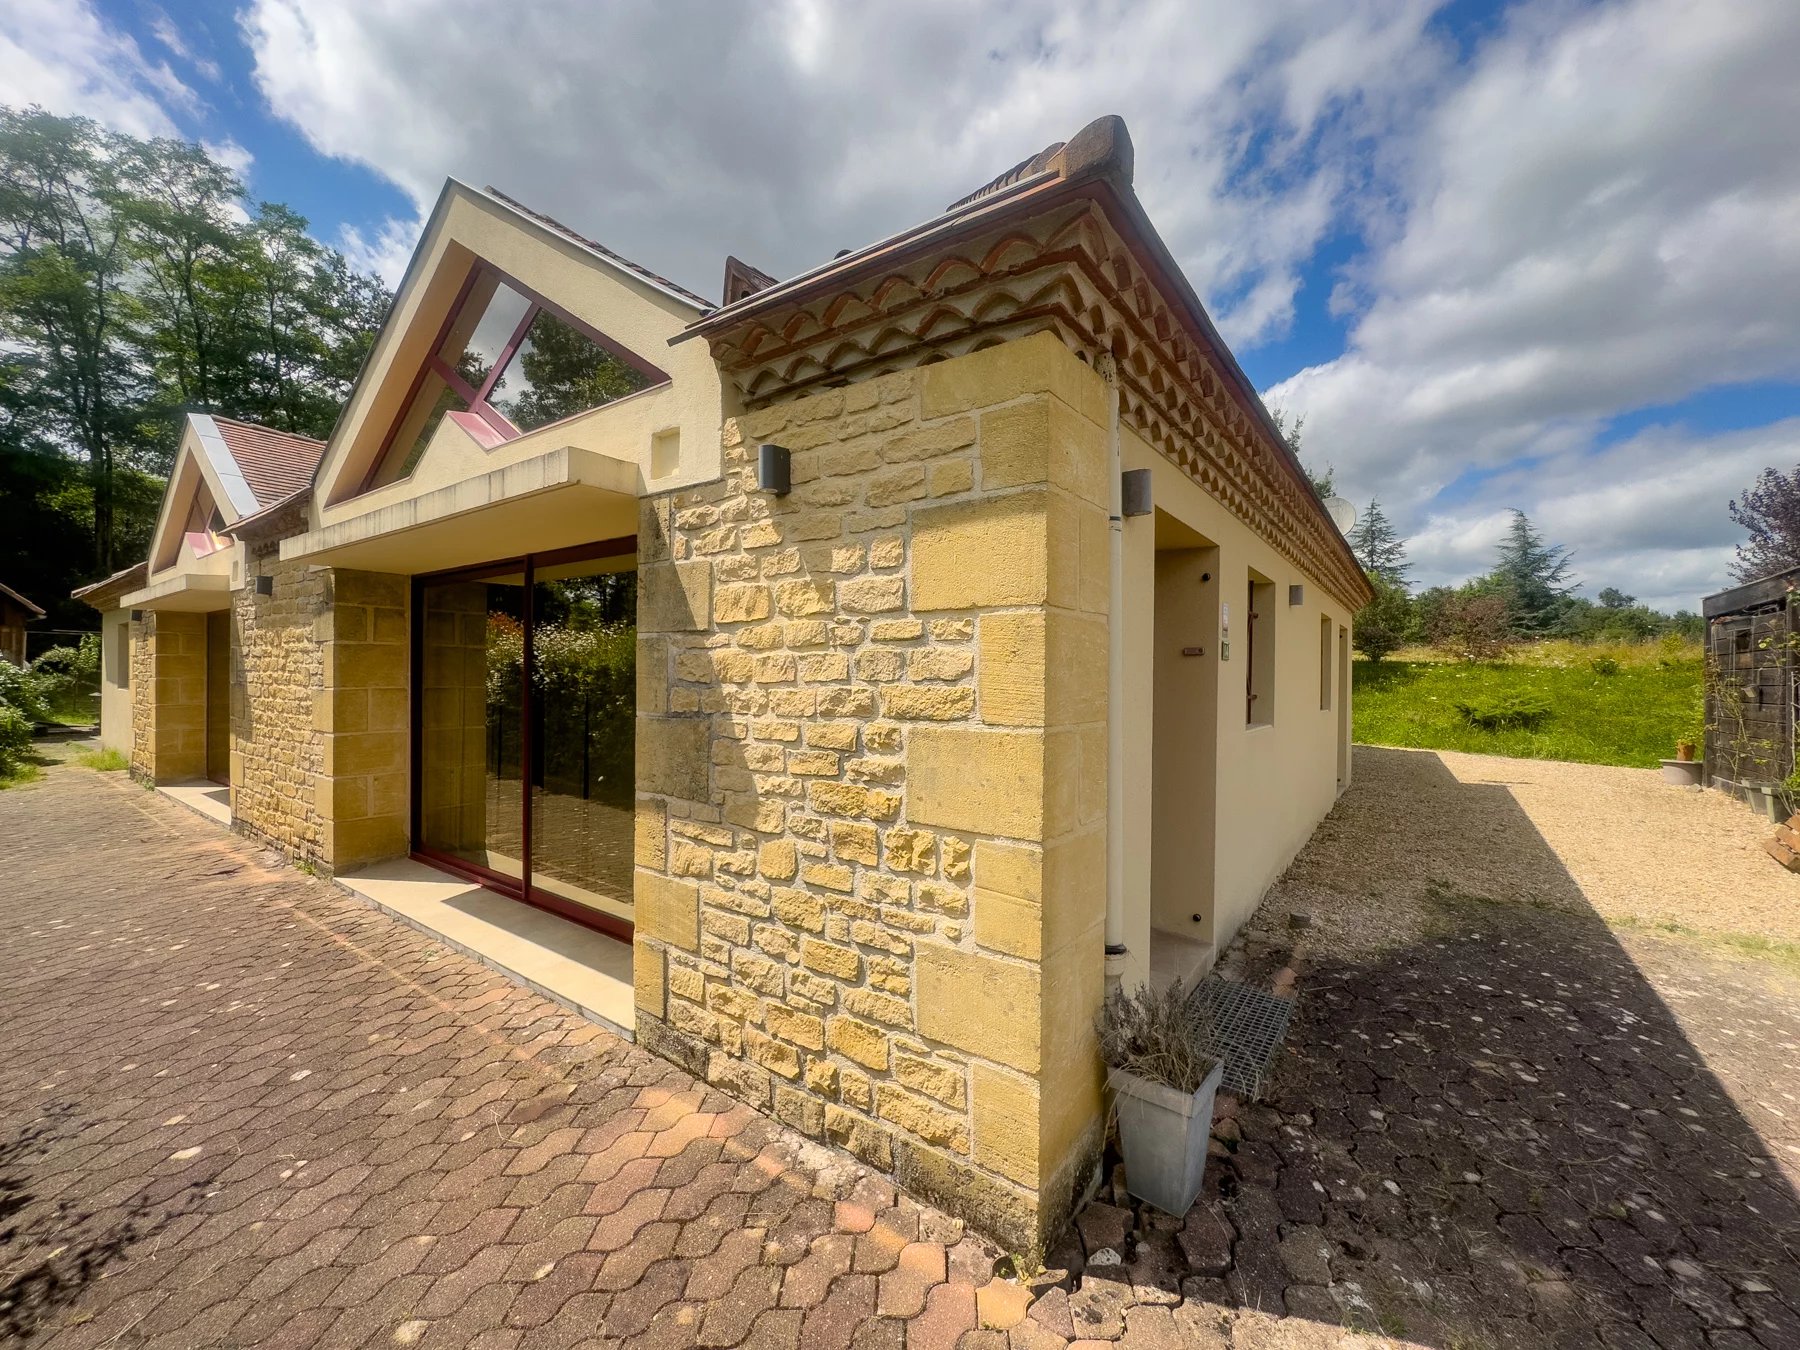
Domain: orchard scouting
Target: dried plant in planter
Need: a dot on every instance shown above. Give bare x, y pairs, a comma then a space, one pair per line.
1156, 1036
1163, 1077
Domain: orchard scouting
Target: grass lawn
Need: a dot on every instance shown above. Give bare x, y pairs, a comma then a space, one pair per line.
1631, 717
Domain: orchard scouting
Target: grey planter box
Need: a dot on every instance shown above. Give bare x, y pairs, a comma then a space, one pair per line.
1164, 1134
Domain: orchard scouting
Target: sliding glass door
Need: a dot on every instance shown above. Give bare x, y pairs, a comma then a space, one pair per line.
525, 716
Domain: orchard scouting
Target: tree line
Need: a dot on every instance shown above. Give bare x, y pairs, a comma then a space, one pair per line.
1528, 593
140, 281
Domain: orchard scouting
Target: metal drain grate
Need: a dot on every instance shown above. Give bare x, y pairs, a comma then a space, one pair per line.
1247, 1026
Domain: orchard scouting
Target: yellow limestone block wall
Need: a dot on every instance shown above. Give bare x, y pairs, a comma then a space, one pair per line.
363, 714
871, 775
168, 682
142, 747
277, 753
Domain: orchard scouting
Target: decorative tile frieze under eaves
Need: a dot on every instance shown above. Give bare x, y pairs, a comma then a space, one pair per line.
1067, 271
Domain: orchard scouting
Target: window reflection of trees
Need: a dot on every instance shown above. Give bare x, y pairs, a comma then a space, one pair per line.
583, 683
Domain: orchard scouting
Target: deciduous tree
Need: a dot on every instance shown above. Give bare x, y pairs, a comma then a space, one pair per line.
138, 283
1383, 624
1769, 511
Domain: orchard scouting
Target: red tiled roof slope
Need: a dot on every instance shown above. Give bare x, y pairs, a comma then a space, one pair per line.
276, 464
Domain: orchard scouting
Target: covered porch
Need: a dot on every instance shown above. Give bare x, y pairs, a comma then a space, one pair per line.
482, 716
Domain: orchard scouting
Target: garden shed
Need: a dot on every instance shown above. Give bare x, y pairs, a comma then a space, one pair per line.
15, 612
1751, 641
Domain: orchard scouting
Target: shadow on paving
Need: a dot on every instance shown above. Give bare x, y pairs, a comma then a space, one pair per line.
1493, 1133
53, 1249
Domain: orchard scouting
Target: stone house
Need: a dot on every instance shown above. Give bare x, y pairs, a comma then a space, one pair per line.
892, 655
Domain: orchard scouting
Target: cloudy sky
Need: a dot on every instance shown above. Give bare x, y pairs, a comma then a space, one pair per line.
1543, 255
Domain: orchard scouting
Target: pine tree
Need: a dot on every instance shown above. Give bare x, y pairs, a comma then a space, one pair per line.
1535, 575
1379, 547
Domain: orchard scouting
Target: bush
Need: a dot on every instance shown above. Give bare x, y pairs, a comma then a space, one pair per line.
1525, 711
22, 690
67, 679
1471, 626
15, 739
1604, 665
1382, 624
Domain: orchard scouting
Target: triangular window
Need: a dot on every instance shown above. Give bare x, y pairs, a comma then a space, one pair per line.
506, 362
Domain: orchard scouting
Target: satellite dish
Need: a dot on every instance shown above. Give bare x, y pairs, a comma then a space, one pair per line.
1342, 513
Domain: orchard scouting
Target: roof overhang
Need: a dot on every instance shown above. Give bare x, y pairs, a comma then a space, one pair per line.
1762, 593
106, 593
184, 593
8, 593
559, 499
1060, 243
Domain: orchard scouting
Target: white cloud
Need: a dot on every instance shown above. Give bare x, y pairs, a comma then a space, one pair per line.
1603, 216
232, 155
171, 37
680, 132
62, 55
1646, 514
387, 252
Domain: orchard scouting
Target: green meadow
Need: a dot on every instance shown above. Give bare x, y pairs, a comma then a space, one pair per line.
1593, 703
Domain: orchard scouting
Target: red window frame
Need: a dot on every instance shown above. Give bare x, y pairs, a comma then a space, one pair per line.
518, 888
477, 398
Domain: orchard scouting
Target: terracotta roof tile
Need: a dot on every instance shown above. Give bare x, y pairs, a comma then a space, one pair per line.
276, 464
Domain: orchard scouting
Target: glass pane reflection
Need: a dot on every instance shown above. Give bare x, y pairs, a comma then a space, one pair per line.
471, 735
583, 715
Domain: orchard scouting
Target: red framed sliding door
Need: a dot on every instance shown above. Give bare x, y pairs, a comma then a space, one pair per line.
524, 711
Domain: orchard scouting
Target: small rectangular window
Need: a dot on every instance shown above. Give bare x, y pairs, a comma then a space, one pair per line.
1325, 663
1259, 653
121, 654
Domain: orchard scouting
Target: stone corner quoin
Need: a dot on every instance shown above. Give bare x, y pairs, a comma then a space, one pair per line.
860, 766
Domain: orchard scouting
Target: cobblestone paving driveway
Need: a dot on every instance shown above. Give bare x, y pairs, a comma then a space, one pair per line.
238, 1108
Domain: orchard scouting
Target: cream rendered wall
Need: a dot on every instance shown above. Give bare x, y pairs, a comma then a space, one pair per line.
631, 312
115, 680
1274, 783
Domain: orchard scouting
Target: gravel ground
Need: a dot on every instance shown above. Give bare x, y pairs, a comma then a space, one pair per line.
1578, 837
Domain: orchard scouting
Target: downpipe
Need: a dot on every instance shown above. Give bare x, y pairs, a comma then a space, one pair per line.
1115, 683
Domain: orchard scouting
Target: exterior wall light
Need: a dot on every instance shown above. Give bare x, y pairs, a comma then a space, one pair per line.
1134, 492
775, 470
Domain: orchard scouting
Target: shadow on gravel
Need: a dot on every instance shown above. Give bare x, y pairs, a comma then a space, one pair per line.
51, 1250
1496, 1134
